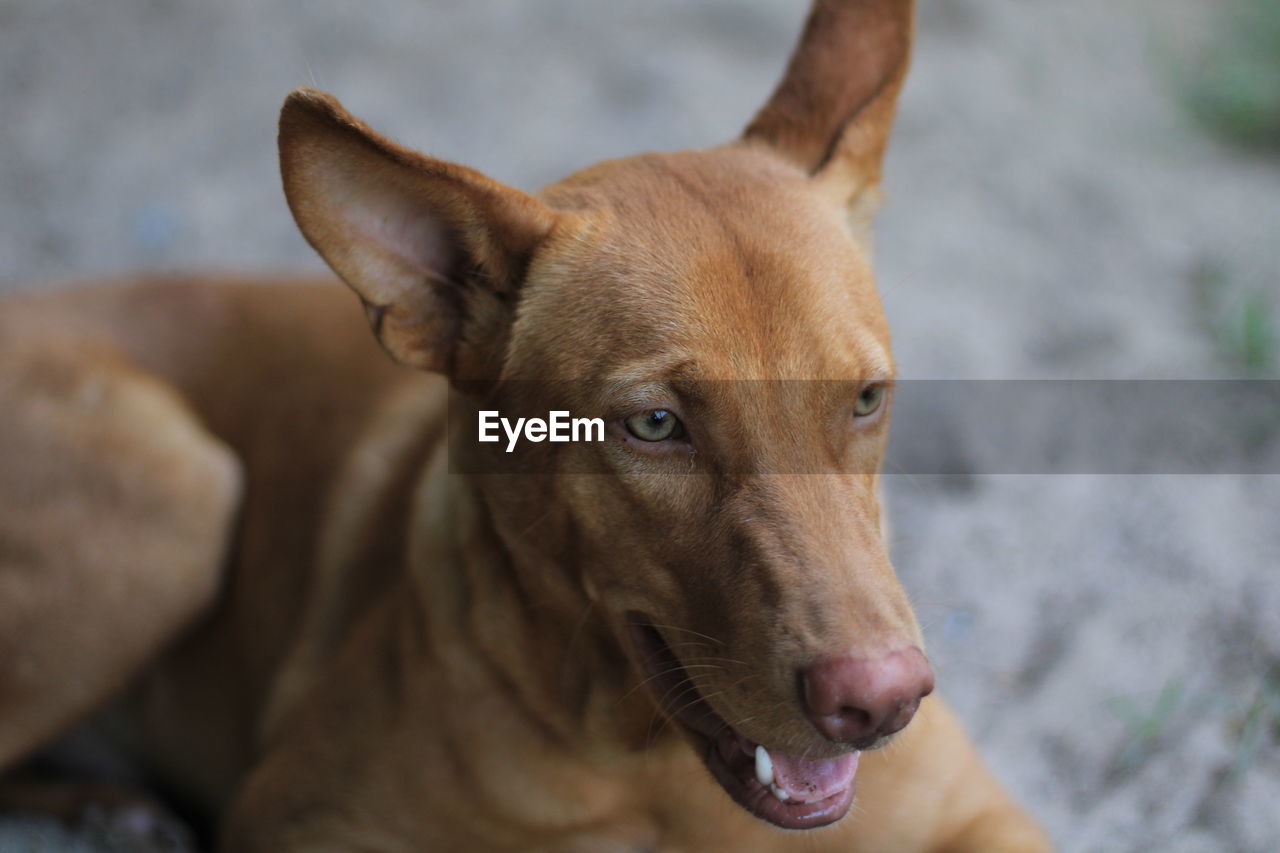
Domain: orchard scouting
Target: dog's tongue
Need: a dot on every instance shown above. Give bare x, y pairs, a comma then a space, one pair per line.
810, 780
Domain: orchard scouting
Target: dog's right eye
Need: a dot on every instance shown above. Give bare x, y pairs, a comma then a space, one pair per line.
655, 425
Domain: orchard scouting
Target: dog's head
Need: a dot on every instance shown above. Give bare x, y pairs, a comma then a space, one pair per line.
717, 308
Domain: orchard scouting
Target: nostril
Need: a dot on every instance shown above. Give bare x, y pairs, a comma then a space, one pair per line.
854, 716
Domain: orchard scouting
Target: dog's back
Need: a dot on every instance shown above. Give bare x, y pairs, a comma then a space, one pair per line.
132, 414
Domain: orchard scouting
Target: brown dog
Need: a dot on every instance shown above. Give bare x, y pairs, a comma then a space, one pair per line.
220, 500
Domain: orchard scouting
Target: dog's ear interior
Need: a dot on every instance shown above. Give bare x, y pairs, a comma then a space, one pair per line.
436, 251
832, 112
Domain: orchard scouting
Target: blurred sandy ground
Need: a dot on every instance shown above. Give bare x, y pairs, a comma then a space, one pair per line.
1113, 642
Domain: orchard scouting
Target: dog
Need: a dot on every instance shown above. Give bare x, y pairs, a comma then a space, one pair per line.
229, 519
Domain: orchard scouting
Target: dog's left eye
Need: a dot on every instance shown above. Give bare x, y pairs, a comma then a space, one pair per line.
655, 425
869, 400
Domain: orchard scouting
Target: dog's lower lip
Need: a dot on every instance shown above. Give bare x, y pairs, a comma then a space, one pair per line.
732, 758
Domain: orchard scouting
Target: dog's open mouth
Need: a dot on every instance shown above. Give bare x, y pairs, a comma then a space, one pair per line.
786, 790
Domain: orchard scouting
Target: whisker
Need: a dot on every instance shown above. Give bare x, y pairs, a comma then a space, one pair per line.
687, 631
573, 642
655, 676
889, 291
535, 523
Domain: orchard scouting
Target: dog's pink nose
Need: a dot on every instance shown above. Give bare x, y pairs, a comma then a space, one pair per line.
858, 699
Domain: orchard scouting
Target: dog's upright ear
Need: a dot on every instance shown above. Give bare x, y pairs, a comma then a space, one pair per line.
436, 251
832, 112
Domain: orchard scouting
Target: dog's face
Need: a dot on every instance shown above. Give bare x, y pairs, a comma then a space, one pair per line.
718, 310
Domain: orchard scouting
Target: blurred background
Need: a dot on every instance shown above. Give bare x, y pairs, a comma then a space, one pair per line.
1075, 190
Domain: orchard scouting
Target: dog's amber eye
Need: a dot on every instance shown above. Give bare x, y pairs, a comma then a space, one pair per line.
655, 425
869, 400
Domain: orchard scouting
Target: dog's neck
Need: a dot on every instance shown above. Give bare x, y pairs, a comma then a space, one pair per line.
510, 611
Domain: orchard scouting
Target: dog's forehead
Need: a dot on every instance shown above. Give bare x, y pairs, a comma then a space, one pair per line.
729, 258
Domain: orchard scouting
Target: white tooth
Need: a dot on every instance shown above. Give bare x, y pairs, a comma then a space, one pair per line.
779, 793
764, 766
